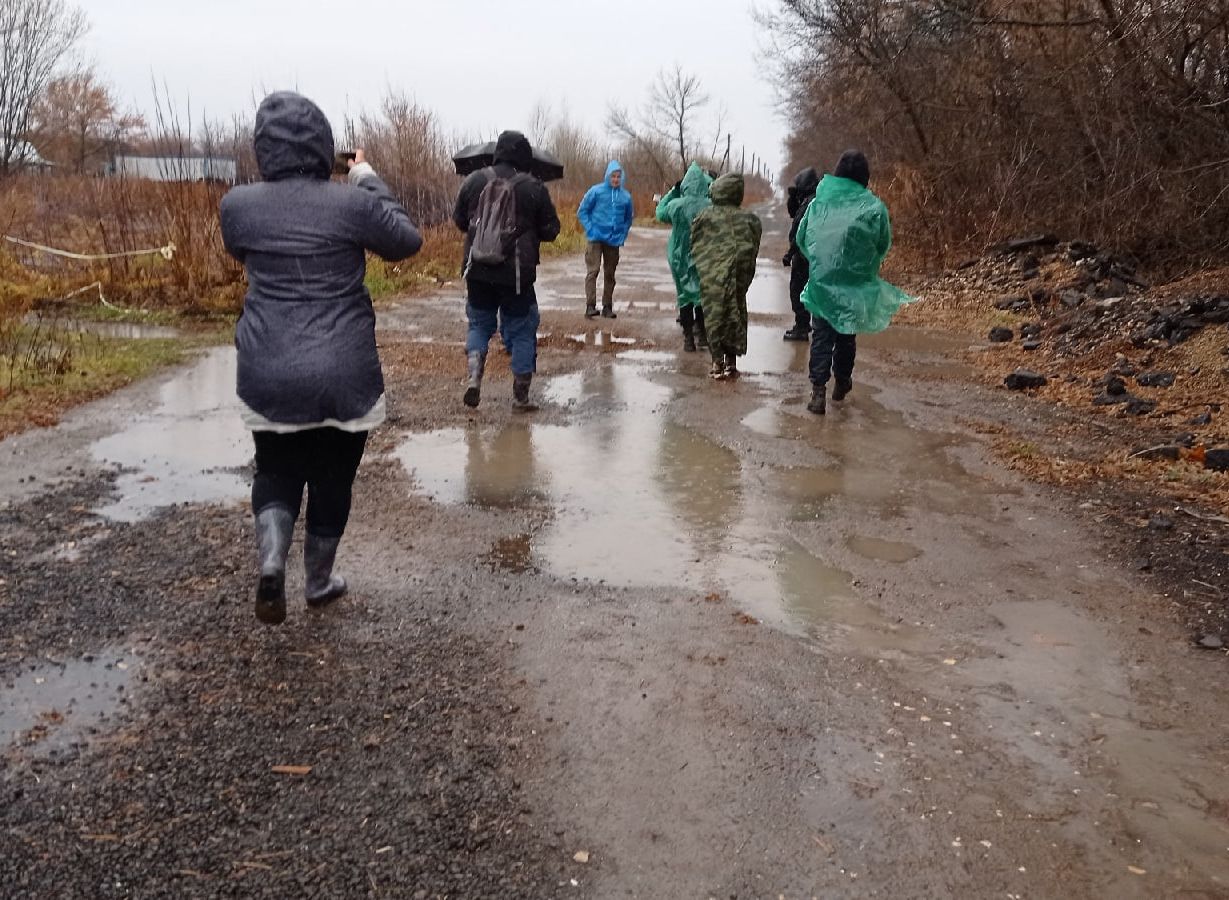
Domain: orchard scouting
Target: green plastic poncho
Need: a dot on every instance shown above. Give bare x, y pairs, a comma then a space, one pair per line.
678, 208
845, 236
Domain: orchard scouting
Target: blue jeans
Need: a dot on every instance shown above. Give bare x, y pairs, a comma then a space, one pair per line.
832, 353
520, 334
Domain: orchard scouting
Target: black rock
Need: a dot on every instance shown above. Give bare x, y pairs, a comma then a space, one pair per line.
1018, 245
1081, 250
1210, 642
1115, 386
1185, 439
1031, 330
1010, 302
1024, 379
1217, 460
1001, 335
1204, 418
1033, 344
1156, 379
1137, 407
1143, 564
1161, 523
1109, 399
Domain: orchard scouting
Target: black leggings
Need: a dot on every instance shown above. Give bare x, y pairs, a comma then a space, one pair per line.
324, 459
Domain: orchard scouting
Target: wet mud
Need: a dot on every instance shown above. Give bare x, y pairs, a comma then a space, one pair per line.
707, 642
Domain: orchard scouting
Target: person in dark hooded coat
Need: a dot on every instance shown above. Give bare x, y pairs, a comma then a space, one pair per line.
506, 291
801, 193
309, 375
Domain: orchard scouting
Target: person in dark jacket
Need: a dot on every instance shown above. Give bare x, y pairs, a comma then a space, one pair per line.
605, 212
506, 291
800, 196
309, 375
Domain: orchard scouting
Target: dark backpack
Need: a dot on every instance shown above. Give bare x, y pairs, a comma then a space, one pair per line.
493, 222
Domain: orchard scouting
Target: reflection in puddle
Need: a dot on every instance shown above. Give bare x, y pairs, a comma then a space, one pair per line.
883, 551
186, 449
54, 705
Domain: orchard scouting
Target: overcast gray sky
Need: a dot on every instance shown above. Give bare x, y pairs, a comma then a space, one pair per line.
481, 65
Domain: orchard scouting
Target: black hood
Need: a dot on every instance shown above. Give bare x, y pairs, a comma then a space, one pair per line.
513, 147
806, 182
854, 166
293, 138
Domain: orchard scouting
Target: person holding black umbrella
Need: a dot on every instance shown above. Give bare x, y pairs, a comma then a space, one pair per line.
506, 213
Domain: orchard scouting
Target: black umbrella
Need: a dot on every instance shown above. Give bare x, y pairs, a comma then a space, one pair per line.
479, 156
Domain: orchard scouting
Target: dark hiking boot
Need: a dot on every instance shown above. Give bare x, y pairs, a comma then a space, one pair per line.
473, 390
689, 341
590, 312
841, 390
274, 528
797, 334
819, 400
731, 366
321, 586
701, 336
520, 394
608, 313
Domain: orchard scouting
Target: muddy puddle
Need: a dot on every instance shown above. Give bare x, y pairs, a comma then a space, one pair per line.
52, 706
688, 512
186, 450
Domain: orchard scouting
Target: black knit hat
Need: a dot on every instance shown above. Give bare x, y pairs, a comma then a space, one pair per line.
853, 165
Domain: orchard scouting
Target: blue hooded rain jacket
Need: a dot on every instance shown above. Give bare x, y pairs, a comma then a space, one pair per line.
606, 212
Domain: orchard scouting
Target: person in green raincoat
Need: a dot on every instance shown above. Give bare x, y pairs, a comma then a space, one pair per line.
678, 208
725, 241
845, 236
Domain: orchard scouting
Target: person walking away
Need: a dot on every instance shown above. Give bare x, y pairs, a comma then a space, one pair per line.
800, 195
506, 213
725, 241
845, 236
309, 375
605, 213
681, 204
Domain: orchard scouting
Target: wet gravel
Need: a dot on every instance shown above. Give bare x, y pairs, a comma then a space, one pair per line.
412, 734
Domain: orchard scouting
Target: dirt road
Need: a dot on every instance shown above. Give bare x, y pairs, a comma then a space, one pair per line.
665, 638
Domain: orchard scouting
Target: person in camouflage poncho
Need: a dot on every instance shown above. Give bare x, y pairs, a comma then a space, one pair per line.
725, 242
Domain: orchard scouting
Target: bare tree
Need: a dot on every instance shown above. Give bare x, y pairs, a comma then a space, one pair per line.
35, 37
674, 103
78, 122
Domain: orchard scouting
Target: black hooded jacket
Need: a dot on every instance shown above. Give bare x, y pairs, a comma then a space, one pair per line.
306, 339
535, 212
799, 198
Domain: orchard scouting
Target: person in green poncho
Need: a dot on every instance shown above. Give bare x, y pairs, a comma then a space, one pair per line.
725, 242
678, 208
845, 236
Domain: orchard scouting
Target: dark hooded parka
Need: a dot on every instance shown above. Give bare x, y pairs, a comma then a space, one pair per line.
725, 242
537, 220
306, 338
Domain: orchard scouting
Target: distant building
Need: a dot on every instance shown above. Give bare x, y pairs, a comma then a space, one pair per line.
173, 168
26, 156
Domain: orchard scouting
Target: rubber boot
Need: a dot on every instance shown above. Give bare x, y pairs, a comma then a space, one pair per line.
819, 399
608, 312
689, 340
520, 393
717, 372
320, 585
274, 528
842, 388
591, 311
731, 366
477, 365
798, 333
